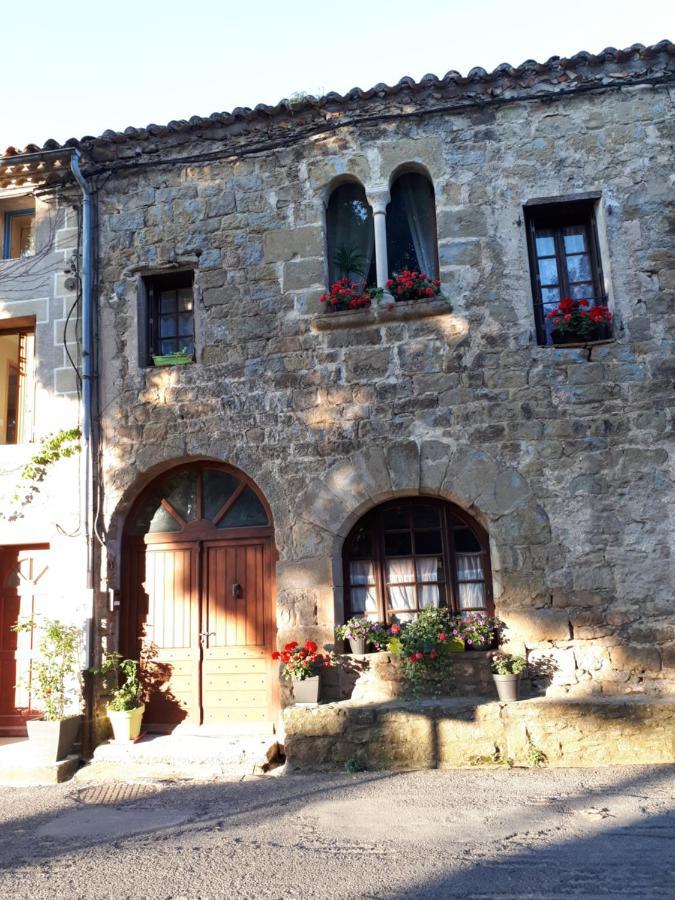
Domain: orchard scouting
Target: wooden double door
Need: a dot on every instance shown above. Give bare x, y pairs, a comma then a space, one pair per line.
203, 616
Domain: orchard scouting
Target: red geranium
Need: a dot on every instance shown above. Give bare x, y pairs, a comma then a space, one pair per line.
575, 317
301, 662
346, 294
411, 285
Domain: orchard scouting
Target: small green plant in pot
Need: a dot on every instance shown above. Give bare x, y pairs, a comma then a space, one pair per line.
179, 358
55, 687
428, 647
125, 709
506, 672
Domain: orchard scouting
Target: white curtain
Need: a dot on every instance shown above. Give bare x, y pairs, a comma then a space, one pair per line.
427, 578
401, 596
471, 595
418, 203
363, 599
350, 228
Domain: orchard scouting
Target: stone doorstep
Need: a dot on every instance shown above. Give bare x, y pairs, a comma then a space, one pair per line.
446, 732
195, 754
20, 767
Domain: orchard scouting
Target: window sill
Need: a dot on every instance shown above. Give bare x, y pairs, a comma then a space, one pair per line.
380, 315
580, 345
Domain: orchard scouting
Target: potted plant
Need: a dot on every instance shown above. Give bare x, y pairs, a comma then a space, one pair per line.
55, 688
411, 285
302, 666
506, 671
125, 709
345, 294
179, 358
478, 630
359, 631
576, 321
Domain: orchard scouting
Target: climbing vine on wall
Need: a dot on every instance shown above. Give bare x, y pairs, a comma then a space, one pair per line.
54, 447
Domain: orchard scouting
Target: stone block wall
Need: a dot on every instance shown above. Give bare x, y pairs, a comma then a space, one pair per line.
563, 455
451, 733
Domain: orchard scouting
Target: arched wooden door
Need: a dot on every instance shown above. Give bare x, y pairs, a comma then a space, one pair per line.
196, 604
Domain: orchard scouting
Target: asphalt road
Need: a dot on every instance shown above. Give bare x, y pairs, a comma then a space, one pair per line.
469, 833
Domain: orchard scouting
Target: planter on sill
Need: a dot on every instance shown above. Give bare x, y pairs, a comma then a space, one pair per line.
53, 741
562, 338
357, 645
306, 690
173, 359
507, 687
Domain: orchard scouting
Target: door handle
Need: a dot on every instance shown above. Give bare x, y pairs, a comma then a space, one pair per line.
205, 635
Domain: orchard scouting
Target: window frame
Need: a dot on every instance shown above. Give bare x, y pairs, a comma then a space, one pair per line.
24, 328
556, 216
10, 215
452, 518
155, 285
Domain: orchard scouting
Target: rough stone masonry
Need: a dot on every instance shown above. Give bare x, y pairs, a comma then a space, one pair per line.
563, 455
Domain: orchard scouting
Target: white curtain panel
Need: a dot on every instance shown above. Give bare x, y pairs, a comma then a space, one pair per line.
418, 203
427, 577
363, 599
403, 596
471, 596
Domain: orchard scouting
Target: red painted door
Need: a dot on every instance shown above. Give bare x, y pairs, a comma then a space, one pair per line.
236, 633
23, 595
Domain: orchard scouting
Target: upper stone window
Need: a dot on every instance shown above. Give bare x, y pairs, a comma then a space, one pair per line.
410, 554
17, 220
351, 238
411, 226
564, 258
170, 315
17, 382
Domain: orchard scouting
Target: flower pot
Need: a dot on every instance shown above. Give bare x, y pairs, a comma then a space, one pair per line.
126, 723
485, 644
306, 690
52, 741
178, 359
357, 645
566, 337
456, 645
507, 686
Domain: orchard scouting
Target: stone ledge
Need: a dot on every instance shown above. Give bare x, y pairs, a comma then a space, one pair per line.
374, 315
446, 732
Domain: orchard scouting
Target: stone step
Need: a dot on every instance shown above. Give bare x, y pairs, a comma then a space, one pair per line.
203, 753
20, 766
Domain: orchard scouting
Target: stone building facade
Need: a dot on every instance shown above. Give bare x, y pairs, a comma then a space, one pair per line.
562, 455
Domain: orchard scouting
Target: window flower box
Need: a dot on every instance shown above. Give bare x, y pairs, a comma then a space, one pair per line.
173, 359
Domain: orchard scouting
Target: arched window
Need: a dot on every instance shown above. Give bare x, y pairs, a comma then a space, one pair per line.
411, 226
193, 496
351, 238
414, 553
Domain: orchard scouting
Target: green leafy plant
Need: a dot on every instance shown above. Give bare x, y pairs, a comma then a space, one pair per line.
55, 671
535, 757
428, 647
497, 758
503, 664
354, 765
125, 673
478, 630
63, 444
349, 262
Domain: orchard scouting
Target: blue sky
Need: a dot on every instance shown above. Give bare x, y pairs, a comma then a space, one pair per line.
80, 67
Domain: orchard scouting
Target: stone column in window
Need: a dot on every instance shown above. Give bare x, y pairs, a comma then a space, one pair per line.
378, 201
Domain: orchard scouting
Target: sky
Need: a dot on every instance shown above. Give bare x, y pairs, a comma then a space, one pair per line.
82, 66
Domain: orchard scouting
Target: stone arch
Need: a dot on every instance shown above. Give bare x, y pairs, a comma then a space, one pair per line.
494, 493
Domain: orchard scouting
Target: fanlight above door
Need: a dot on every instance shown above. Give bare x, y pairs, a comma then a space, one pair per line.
197, 498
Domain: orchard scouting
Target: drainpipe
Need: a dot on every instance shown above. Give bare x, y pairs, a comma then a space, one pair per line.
87, 353
87, 419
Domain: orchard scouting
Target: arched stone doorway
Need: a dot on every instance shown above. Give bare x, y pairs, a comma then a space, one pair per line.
197, 596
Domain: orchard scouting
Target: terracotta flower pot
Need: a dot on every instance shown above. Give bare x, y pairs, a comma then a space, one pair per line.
52, 741
507, 686
306, 690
